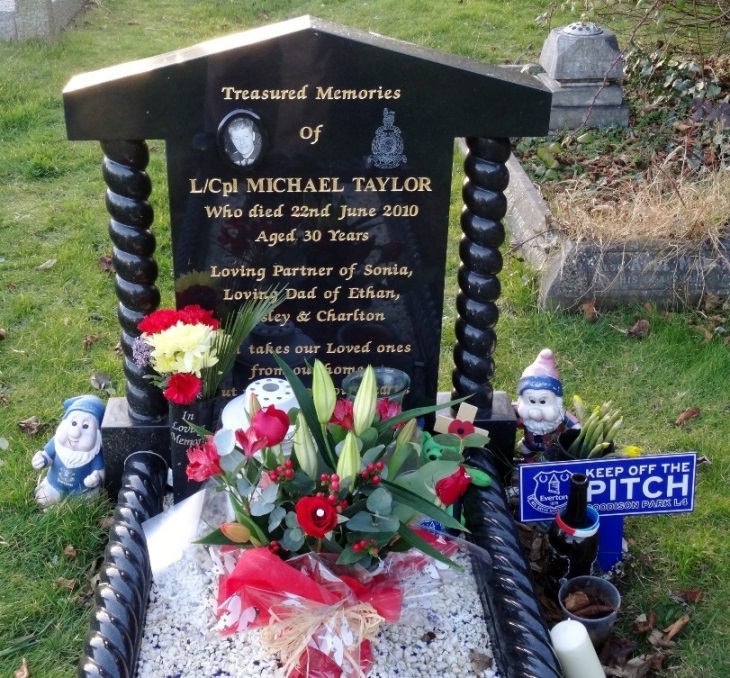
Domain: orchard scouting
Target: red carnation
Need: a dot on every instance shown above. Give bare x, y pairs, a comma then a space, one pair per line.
271, 424
342, 415
387, 409
461, 428
204, 462
183, 388
450, 489
197, 315
158, 321
316, 516
250, 441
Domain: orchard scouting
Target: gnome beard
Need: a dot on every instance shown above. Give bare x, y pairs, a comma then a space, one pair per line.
75, 458
541, 419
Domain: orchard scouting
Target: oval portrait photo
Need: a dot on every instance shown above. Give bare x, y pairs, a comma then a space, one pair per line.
241, 138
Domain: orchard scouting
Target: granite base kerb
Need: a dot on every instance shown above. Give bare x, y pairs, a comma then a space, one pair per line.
668, 274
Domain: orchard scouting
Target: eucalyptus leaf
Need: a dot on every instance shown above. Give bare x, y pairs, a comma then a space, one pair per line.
350, 557
373, 454
224, 441
261, 508
243, 486
275, 518
292, 540
448, 440
429, 509
300, 485
380, 502
232, 461
361, 522
270, 493
291, 519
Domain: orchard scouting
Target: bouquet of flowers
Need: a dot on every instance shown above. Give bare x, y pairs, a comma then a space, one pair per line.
348, 495
190, 351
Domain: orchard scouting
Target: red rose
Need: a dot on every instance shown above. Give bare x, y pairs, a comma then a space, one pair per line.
453, 487
158, 321
342, 415
271, 424
250, 441
204, 462
461, 428
183, 388
197, 315
316, 516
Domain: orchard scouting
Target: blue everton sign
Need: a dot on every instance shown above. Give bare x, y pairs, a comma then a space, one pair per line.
618, 487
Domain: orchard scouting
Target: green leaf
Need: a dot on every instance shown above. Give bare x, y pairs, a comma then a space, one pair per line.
415, 413
300, 485
350, 557
216, 537
244, 487
380, 502
232, 461
478, 477
373, 454
361, 522
448, 440
202, 432
475, 440
422, 506
261, 508
291, 519
399, 458
412, 539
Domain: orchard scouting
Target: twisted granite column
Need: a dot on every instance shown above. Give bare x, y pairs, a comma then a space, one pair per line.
129, 186
484, 207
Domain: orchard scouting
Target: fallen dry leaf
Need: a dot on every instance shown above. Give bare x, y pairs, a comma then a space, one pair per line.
640, 329
91, 339
590, 312
32, 426
46, 265
23, 671
3, 334
480, 662
69, 551
576, 601
645, 622
675, 628
689, 413
691, 596
118, 349
711, 302
63, 583
106, 263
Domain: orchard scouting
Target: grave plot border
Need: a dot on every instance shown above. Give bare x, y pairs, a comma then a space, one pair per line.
517, 630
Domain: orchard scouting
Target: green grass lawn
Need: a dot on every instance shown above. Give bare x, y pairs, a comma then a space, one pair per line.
58, 311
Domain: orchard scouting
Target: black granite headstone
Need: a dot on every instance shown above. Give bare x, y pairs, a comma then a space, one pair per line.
317, 157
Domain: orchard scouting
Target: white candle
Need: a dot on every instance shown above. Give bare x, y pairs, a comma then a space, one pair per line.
575, 651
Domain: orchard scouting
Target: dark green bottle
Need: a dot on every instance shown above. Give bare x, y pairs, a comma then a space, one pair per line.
573, 537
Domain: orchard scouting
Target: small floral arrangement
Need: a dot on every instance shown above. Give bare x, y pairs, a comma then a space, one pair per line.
189, 349
345, 488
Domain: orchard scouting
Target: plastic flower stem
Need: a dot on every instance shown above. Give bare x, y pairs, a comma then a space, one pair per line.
596, 451
306, 407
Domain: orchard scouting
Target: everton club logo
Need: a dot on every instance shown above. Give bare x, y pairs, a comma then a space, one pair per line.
387, 145
551, 491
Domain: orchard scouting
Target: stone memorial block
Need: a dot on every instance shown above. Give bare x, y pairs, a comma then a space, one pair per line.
316, 157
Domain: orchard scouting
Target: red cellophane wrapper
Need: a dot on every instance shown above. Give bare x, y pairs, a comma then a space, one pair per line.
318, 616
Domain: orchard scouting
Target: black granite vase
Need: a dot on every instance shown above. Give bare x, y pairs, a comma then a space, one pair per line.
182, 438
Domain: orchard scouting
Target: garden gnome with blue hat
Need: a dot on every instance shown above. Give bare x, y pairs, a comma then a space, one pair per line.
74, 453
540, 410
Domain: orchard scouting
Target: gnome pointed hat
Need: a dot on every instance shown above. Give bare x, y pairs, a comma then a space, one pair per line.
541, 375
91, 404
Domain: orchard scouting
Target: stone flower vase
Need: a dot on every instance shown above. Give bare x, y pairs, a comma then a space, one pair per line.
182, 437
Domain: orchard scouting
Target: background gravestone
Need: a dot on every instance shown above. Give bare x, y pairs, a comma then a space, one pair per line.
318, 157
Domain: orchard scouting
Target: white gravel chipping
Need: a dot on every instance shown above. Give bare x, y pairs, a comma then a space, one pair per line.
447, 638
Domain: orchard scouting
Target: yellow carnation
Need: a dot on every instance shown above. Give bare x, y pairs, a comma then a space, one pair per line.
183, 348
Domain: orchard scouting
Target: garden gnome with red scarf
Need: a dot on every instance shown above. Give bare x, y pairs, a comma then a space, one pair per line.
540, 410
73, 454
